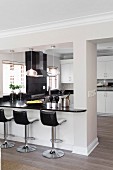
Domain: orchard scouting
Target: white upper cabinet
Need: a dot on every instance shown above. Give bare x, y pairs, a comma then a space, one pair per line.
109, 69
105, 67
101, 67
67, 71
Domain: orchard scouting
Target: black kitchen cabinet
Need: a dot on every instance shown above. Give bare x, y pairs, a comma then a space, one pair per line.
36, 85
39, 60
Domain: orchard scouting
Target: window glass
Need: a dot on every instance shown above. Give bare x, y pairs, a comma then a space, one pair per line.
13, 74
53, 82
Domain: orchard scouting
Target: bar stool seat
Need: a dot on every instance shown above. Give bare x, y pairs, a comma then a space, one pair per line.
5, 119
49, 118
20, 117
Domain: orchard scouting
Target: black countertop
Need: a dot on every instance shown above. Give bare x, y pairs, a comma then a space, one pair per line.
108, 88
47, 106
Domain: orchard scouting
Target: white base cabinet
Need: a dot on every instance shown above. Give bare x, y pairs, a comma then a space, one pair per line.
105, 102
101, 102
109, 102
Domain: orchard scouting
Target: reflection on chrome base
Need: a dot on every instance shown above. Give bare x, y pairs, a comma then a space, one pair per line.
53, 154
26, 148
6, 145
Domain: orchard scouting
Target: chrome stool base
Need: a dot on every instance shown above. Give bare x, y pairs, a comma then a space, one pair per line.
53, 154
7, 144
26, 148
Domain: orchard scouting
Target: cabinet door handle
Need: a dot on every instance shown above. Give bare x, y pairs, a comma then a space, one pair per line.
105, 94
105, 74
69, 78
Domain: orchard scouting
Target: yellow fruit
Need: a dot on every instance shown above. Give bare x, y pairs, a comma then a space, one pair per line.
34, 101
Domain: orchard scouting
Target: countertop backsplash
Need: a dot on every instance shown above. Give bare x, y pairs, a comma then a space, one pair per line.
105, 82
105, 85
67, 86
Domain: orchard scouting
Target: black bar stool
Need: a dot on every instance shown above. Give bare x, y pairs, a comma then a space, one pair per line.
49, 118
20, 117
5, 119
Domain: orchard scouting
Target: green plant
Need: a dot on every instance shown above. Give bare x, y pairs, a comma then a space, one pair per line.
18, 86
14, 87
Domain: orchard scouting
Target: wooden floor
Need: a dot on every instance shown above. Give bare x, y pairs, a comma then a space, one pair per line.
100, 159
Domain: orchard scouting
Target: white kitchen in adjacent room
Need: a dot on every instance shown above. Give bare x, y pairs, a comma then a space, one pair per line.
105, 79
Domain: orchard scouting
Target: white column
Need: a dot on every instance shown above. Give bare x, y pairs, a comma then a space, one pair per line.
85, 124
91, 61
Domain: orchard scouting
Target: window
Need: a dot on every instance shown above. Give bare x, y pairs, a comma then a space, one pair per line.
53, 82
13, 73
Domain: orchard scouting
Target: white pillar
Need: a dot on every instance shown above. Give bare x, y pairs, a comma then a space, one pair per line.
91, 61
85, 124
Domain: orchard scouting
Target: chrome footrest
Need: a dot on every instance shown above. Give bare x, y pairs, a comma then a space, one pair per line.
31, 138
57, 140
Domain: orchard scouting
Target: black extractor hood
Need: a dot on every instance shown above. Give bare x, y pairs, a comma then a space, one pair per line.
36, 85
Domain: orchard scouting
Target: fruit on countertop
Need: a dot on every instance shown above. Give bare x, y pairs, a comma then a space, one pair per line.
33, 101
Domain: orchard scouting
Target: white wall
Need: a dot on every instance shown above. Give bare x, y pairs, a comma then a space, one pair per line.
50, 61
78, 36
16, 57
67, 86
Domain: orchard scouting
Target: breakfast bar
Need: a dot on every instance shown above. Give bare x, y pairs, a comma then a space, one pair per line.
40, 134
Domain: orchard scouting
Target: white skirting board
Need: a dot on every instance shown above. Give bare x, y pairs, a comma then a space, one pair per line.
77, 150
39, 142
86, 150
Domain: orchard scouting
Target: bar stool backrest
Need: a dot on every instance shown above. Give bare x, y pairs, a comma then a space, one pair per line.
48, 118
20, 117
2, 116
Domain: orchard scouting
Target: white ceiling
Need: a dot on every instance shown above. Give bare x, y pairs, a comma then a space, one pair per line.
15, 14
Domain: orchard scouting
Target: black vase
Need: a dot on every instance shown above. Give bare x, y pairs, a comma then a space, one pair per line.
20, 96
51, 98
56, 100
13, 96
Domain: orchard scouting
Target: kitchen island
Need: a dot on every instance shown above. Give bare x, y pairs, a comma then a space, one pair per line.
41, 133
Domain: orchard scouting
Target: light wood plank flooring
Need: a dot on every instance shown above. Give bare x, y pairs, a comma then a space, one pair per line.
100, 159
